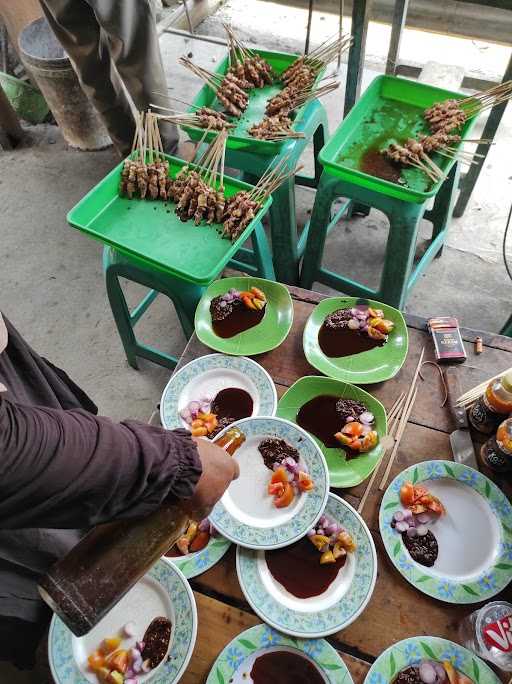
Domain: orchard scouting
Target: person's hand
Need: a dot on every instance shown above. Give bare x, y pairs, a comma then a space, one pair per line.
219, 470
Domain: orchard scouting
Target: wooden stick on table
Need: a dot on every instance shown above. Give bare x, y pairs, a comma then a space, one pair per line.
401, 429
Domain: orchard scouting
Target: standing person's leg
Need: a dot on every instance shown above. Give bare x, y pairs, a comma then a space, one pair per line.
76, 27
133, 40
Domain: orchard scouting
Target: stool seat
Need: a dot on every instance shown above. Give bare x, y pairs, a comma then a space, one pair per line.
399, 273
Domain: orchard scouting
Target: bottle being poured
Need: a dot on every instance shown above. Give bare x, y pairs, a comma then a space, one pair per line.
87, 583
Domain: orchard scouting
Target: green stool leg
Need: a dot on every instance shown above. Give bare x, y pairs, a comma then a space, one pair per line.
262, 253
318, 229
185, 297
121, 315
507, 328
399, 258
284, 233
442, 211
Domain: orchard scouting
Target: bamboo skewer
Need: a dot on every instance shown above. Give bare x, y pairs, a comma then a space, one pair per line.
472, 395
409, 403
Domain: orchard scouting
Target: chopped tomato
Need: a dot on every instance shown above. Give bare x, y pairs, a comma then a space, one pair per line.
437, 507
96, 661
200, 541
407, 494
279, 475
110, 644
118, 661
276, 488
286, 497
305, 482
354, 428
343, 439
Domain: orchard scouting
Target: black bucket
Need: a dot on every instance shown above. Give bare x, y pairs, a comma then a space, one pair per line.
51, 68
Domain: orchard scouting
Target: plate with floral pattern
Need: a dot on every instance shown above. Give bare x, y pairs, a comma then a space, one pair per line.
342, 603
206, 376
194, 564
163, 591
235, 662
415, 649
246, 514
474, 536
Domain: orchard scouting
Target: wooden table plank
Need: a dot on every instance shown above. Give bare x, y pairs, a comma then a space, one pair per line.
218, 624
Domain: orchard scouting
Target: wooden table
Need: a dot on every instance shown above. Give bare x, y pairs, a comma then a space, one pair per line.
396, 609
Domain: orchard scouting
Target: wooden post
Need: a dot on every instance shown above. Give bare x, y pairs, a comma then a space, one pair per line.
399, 18
360, 17
16, 15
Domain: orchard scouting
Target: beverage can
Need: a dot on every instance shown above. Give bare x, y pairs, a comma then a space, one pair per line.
488, 633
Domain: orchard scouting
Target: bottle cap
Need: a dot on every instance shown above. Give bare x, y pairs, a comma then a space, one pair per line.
506, 381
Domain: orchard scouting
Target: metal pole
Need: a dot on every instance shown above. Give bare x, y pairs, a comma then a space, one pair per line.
308, 30
340, 32
196, 36
189, 21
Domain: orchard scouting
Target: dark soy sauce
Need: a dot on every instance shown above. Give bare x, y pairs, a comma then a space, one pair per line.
319, 417
233, 403
338, 342
285, 667
241, 319
376, 164
297, 568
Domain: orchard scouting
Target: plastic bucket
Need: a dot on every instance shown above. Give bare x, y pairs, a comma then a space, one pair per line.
26, 100
46, 60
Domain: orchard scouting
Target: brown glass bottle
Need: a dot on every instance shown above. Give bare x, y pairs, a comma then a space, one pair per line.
496, 453
95, 575
496, 402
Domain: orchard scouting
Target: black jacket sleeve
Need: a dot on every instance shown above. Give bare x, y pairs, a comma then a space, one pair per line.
71, 469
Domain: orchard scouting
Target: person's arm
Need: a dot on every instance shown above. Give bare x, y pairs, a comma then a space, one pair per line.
68, 469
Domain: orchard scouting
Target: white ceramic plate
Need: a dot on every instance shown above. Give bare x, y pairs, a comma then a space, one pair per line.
165, 592
206, 376
236, 660
474, 536
246, 513
343, 601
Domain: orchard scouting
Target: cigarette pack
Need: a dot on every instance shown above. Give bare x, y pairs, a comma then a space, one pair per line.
447, 339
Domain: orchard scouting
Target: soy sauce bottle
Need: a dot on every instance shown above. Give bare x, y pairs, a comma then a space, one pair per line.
496, 402
496, 453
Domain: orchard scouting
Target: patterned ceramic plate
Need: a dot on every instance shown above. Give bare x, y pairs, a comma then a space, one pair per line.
246, 513
474, 536
206, 376
376, 365
343, 472
162, 592
268, 334
411, 651
337, 607
236, 660
196, 563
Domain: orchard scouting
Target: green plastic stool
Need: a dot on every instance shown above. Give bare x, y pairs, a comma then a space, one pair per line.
399, 273
287, 249
184, 295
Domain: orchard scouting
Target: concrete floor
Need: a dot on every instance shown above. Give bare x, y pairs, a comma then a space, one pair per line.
52, 284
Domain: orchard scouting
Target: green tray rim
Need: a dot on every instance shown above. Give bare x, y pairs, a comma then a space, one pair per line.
229, 182
362, 179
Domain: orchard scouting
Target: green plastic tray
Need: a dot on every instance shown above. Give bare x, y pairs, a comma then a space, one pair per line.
239, 138
390, 110
150, 230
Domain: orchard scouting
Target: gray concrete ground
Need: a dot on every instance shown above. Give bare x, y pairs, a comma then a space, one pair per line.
51, 280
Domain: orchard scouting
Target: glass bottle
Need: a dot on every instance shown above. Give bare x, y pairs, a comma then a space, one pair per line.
496, 453
95, 575
496, 402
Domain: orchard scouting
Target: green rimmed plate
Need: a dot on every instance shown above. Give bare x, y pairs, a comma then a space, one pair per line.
267, 335
163, 591
465, 571
343, 472
411, 651
246, 513
194, 564
209, 374
341, 604
376, 365
235, 662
